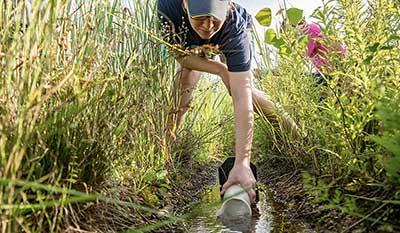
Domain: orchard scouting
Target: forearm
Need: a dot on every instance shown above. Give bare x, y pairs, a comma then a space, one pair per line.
239, 85
202, 64
244, 119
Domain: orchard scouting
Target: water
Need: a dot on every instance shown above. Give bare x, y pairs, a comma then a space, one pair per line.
267, 217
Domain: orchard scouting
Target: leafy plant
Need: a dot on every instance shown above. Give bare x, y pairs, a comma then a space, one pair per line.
350, 119
389, 114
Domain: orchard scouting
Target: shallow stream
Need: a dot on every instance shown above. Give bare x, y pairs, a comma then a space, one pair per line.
268, 217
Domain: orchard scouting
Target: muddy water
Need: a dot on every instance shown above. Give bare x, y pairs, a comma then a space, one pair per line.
268, 217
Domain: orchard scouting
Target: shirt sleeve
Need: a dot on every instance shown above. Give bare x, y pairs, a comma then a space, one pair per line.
237, 50
170, 23
165, 24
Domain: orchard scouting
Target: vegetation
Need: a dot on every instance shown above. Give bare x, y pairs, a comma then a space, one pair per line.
84, 104
355, 125
86, 90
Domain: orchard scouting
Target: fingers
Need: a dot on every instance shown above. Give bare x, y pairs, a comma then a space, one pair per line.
252, 194
227, 184
250, 190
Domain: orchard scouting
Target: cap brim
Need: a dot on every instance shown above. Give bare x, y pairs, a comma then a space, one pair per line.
216, 8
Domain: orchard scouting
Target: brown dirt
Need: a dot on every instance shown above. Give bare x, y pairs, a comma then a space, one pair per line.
185, 187
288, 189
297, 207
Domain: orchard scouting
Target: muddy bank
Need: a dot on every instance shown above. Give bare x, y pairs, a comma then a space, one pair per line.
294, 206
185, 185
288, 190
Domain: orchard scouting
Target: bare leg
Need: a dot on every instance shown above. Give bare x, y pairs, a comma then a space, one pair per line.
275, 114
186, 81
262, 104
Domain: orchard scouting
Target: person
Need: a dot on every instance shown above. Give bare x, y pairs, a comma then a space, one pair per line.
318, 53
225, 25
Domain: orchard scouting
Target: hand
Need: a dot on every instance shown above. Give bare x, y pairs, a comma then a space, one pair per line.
241, 174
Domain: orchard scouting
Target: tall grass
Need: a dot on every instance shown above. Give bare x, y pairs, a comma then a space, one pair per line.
85, 93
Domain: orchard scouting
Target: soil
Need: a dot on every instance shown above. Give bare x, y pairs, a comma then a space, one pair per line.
285, 182
287, 185
298, 207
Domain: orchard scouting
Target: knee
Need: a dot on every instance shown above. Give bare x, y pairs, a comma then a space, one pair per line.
258, 95
187, 85
184, 109
189, 80
187, 89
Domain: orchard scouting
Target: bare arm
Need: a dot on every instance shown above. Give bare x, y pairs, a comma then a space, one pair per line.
239, 86
202, 65
243, 108
207, 65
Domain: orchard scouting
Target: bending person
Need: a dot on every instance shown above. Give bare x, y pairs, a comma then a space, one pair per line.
225, 24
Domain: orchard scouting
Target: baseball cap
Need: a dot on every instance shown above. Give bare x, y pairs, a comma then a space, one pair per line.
216, 8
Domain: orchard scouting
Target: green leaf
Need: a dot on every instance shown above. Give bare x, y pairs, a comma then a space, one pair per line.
394, 37
161, 175
285, 50
294, 15
368, 59
278, 42
302, 40
373, 48
387, 47
270, 35
264, 17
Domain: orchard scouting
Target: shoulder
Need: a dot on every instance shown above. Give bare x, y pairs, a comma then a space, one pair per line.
235, 42
169, 7
236, 26
239, 17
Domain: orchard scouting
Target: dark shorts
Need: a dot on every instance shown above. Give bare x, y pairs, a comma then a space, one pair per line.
320, 79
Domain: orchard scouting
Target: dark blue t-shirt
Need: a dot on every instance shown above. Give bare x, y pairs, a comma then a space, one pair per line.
233, 38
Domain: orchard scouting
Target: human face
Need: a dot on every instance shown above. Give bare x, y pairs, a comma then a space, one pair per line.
206, 26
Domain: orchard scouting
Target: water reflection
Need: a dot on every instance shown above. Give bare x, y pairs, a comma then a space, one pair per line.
204, 215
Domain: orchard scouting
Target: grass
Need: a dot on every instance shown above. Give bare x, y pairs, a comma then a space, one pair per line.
84, 107
345, 122
86, 90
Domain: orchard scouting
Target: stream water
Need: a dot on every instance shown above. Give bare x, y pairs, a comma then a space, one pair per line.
266, 218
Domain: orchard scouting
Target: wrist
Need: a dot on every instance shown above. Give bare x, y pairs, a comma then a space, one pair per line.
242, 161
223, 71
